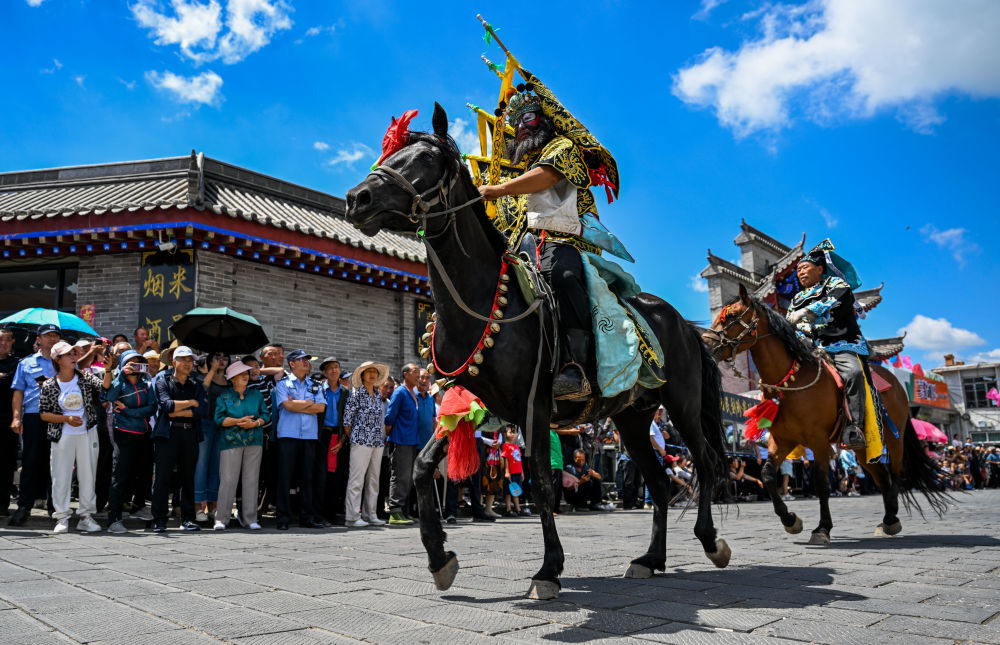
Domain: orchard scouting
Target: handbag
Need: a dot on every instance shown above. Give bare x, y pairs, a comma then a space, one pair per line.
554, 209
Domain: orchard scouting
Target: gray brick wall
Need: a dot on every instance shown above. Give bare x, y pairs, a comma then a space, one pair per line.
313, 312
112, 284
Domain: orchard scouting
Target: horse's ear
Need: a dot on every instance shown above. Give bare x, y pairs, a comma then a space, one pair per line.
440, 121
744, 296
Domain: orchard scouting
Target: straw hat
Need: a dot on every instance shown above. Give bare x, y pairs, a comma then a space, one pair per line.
383, 373
167, 355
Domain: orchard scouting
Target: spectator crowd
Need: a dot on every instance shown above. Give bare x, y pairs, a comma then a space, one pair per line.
213, 440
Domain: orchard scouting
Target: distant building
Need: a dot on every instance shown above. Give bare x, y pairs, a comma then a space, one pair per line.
970, 387
140, 243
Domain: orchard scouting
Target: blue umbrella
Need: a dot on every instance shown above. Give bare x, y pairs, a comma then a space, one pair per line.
35, 316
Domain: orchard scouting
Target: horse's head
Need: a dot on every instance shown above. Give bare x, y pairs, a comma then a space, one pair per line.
409, 184
735, 329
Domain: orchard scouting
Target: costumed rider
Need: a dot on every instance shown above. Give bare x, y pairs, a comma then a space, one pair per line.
553, 161
823, 312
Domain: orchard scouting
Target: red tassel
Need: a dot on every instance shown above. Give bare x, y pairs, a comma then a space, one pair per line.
397, 136
599, 177
760, 416
463, 458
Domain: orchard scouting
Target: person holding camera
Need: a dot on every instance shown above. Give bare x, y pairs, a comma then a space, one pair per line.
68, 404
133, 403
586, 494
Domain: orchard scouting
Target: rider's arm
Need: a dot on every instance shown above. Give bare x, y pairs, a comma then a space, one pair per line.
533, 181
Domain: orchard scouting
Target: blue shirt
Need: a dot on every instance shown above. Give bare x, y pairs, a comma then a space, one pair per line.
28, 370
332, 399
401, 416
426, 413
297, 425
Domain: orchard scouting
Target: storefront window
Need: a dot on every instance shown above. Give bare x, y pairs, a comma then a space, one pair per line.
976, 389
49, 287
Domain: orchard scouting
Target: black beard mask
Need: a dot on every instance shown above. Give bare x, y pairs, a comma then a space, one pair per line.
517, 150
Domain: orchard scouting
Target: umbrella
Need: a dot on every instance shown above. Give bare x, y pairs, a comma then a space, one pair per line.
219, 329
929, 432
35, 316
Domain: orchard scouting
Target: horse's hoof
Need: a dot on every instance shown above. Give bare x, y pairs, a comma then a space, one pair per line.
542, 590
444, 576
638, 571
888, 530
722, 554
796, 526
819, 539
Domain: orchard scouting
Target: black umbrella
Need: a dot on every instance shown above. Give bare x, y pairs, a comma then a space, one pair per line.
219, 329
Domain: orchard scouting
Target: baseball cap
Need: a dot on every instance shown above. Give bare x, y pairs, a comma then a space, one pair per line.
46, 328
182, 351
83, 343
328, 359
299, 354
60, 348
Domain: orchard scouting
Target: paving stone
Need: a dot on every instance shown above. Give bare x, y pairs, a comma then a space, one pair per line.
472, 619
948, 629
277, 602
552, 633
128, 588
28, 588
823, 632
432, 635
121, 623
682, 634
218, 587
385, 601
354, 622
924, 610
17, 622
298, 637
172, 637
235, 622
737, 619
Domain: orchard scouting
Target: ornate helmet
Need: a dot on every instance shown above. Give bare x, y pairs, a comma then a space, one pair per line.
522, 103
833, 264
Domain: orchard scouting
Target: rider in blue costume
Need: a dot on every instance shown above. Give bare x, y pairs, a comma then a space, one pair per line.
824, 314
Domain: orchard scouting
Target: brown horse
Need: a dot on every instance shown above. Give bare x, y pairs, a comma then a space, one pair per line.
808, 416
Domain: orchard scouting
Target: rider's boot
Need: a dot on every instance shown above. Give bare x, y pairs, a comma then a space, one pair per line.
852, 436
571, 382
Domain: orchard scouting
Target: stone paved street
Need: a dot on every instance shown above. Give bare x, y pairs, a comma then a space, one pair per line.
935, 583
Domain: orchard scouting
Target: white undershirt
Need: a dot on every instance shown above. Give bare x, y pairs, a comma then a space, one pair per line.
71, 402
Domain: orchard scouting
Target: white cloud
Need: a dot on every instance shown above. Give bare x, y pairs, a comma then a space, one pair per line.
465, 135
321, 145
56, 66
835, 59
203, 88
35, 3
992, 356
348, 157
952, 239
80, 79
937, 334
698, 283
706, 8
828, 217
204, 32
129, 85
316, 30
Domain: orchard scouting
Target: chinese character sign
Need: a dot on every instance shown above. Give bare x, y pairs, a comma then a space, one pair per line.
88, 313
928, 392
167, 291
423, 316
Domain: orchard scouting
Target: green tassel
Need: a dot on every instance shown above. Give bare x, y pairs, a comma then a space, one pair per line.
495, 68
374, 166
488, 37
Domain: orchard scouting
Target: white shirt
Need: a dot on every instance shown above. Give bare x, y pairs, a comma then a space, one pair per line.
71, 402
654, 432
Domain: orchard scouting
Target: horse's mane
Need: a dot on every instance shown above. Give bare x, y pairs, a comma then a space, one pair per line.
784, 331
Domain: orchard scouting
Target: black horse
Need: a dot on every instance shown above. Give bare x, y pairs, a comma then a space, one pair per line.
416, 186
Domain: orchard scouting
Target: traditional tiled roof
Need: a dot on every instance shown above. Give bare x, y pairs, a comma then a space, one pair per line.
885, 348
717, 264
791, 256
749, 234
869, 298
193, 181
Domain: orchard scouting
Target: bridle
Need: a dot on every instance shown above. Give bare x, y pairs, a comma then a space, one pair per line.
723, 340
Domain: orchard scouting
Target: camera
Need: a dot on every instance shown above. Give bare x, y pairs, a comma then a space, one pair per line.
140, 368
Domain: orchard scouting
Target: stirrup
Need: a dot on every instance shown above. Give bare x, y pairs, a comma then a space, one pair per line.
849, 433
583, 393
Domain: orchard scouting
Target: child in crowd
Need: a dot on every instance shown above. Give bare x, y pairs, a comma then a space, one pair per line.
511, 454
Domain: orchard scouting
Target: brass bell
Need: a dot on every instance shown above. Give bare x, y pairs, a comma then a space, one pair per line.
505, 278
497, 314
426, 338
503, 288
434, 316
441, 382
488, 342
502, 301
495, 327
473, 370
477, 358
425, 352
430, 368
429, 326
791, 379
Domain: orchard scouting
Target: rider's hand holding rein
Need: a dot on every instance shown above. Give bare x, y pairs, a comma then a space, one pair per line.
533, 181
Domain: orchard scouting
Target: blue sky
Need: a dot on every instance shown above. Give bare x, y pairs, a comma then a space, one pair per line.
863, 122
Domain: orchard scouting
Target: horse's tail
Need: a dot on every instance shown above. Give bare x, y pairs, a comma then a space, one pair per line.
711, 411
920, 473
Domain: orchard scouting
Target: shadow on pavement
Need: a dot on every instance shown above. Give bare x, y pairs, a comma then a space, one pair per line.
915, 541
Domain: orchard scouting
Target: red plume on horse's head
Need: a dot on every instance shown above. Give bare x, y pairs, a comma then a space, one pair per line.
397, 136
